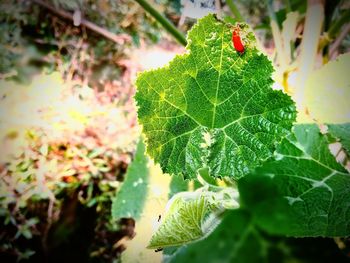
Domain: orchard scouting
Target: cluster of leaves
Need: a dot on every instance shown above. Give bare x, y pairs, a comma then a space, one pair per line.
212, 111
65, 152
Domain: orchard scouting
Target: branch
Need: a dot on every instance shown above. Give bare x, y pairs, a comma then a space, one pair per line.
309, 46
119, 39
234, 10
339, 39
164, 22
336, 26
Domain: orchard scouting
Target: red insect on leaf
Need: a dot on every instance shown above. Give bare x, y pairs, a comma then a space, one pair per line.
237, 41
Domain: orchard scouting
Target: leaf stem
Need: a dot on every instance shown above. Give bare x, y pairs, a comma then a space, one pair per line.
309, 47
334, 28
283, 59
163, 21
234, 10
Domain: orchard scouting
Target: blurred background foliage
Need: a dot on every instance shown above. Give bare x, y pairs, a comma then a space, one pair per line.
68, 126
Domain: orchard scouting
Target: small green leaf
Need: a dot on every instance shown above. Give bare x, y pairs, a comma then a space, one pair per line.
182, 224
192, 216
342, 133
129, 200
303, 191
213, 107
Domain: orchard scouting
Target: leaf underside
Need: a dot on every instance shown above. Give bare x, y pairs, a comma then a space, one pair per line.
213, 107
182, 224
303, 191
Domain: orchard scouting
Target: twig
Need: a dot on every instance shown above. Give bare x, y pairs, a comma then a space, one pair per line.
309, 45
163, 21
345, 18
119, 39
339, 39
283, 59
234, 10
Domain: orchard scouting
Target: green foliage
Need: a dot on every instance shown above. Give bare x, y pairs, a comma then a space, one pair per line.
192, 215
182, 224
213, 107
130, 198
238, 239
177, 184
342, 133
58, 163
302, 191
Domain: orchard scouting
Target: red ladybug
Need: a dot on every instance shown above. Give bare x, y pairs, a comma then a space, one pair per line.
236, 41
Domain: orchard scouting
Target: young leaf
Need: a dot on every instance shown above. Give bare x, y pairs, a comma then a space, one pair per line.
213, 107
303, 191
130, 199
182, 224
192, 216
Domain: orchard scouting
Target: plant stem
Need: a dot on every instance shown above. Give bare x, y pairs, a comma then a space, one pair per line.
334, 28
234, 10
338, 40
282, 57
163, 21
309, 46
288, 6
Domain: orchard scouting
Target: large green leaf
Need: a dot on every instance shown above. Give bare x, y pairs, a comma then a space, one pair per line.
232, 241
303, 191
213, 107
130, 199
238, 240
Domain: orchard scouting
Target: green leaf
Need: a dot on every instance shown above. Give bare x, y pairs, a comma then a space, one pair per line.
342, 133
213, 107
130, 199
327, 93
182, 223
177, 184
303, 191
192, 216
238, 240
232, 241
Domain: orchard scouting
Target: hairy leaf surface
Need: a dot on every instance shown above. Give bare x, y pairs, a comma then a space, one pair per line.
213, 107
182, 224
303, 191
192, 216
